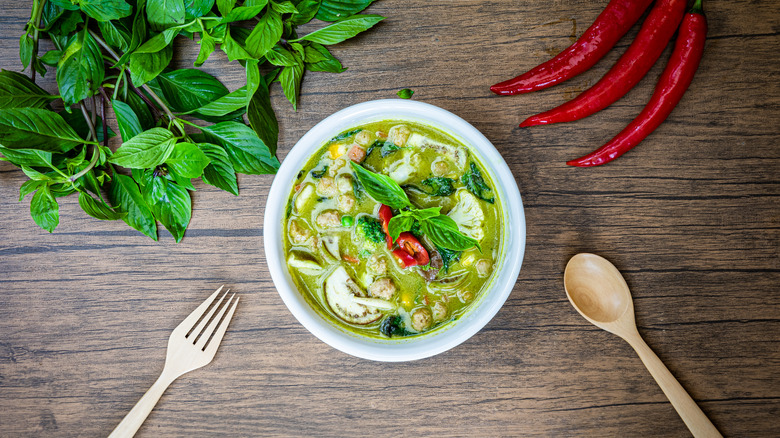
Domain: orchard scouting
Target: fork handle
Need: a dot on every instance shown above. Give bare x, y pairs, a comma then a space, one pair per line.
136, 417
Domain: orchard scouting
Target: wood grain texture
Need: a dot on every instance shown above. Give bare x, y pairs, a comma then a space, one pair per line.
691, 217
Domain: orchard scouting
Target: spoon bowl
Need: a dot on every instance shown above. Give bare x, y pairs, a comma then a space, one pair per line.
600, 294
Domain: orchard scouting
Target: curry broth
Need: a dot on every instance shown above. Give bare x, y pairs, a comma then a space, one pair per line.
311, 228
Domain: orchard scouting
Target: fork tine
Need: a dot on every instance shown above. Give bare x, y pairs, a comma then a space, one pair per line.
204, 337
192, 318
214, 344
193, 334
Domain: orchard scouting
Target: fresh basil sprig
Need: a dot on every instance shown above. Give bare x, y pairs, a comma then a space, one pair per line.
440, 228
115, 55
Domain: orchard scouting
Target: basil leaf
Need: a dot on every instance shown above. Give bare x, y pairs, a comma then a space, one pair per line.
26, 47
242, 13
332, 10
444, 232
262, 118
66, 24
280, 56
380, 187
34, 174
125, 195
290, 78
405, 93
44, 209
345, 134
76, 121
319, 58
197, 8
138, 34
253, 79
398, 225
284, 7
33, 128
129, 125
51, 58
115, 34
224, 105
219, 173
141, 110
342, 29
476, 184
187, 160
18, 91
189, 89
27, 157
170, 204
28, 187
146, 66
80, 72
233, 49
207, 46
147, 149
163, 14
98, 209
225, 6
51, 12
159, 41
440, 186
448, 257
265, 35
247, 152
307, 9
105, 10
426, 213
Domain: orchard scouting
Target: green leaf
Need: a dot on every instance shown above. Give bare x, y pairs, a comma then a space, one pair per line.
285, 7
76, 121
35, 175
189, 89
406, 93
50, 13
67, 23
138, 34
247, 152
290, 78
159, 41
234, 50
105, 10
129, 125
187, 160
318, 58
219, 172
98, 209
80, 72
444, 232
224, 105
18, 91
146, 66
398, 225
26, 47
440, 186
197, 8
125, 195
33, 128
332, 10
476, 184
242, 13
207, 46
280, 56
141, 110
381, 187
307, 9
28, 187
265, 35
163, 14
51, 58
426, 213
147, 149
253, 79
44, 209
170, 204
27, 157
225, 6
448, 257
262, 118
115, 34
342, 29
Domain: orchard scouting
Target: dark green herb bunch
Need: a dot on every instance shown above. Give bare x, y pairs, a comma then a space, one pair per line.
113, 55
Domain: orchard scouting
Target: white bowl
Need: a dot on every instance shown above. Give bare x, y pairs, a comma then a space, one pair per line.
479, 312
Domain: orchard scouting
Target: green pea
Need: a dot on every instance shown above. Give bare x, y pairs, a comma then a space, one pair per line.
347, 221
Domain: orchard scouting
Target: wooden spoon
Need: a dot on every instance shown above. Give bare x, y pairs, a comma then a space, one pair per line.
597, 290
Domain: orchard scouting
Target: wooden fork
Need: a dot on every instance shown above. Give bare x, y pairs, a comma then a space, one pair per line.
189, 348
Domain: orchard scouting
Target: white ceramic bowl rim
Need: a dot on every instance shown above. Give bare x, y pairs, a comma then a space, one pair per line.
482, 310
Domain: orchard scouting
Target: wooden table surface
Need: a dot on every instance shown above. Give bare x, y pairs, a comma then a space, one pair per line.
691, 217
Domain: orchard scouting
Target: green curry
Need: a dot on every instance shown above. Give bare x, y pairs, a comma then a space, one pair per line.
392, 229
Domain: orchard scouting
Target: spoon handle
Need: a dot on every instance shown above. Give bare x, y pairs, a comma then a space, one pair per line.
689, 411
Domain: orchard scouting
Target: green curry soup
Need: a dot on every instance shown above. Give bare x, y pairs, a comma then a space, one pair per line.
336, 241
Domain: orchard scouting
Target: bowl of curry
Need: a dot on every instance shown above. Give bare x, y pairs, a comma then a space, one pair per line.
394, 230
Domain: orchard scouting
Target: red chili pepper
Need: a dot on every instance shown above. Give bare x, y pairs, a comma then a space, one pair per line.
613, 22
385, 214
650, 42
672, 84
411, 251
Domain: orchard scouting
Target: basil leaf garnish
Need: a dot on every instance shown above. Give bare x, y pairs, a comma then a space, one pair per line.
444, 232
380, 187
